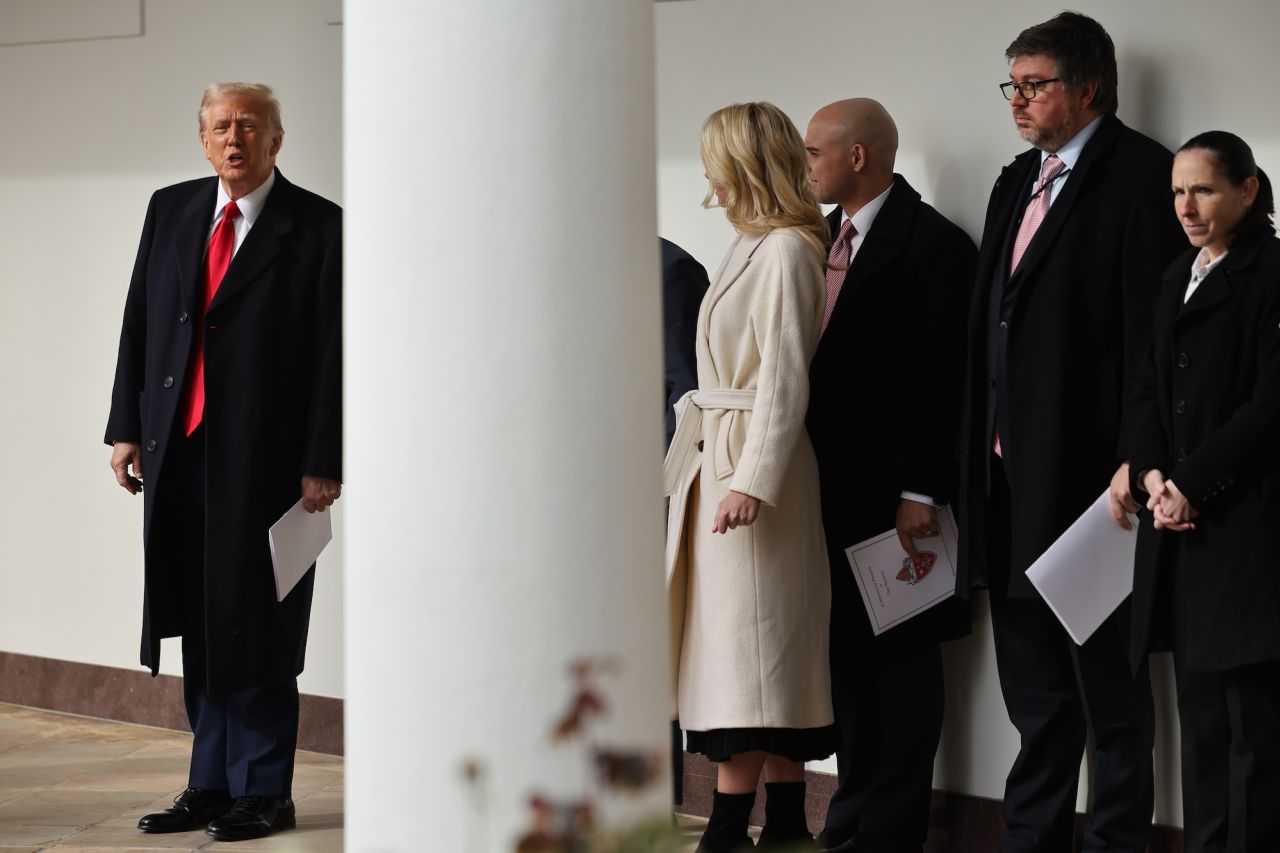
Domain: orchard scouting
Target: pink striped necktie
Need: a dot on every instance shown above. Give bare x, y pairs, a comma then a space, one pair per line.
837, 267
1037, 209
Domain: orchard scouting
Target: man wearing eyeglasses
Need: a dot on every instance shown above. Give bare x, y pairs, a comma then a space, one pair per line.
1077, 233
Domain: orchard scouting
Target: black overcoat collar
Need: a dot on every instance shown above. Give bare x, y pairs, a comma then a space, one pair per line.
883, 242
260, 247
1222, 281
1087, 168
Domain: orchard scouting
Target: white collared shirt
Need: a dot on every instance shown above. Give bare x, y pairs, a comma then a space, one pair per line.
1069, 154
862, 221
250, 206
1200, 269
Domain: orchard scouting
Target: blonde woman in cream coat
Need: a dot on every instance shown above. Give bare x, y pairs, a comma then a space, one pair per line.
747, 562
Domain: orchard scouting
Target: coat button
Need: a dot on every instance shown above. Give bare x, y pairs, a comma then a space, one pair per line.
183, 317
168, 382
991, 383
1004, 327
1181, 455
151, 445
1180, 407
1183, 359
699, 445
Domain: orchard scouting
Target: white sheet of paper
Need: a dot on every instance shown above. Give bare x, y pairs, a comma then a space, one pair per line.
883, 573
297, 541
1086, 574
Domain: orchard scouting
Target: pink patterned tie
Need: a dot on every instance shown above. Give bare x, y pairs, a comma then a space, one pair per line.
1037, 209
837, 266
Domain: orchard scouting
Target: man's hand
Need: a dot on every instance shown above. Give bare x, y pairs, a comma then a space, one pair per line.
1122, 497
123, 455
915, 521
736, 510
318, 493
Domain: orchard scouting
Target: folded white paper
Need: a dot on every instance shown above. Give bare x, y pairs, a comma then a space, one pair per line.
1086, 574
297, 540
893, 590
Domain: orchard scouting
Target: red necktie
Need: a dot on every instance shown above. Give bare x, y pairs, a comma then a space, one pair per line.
216, 260
837, 268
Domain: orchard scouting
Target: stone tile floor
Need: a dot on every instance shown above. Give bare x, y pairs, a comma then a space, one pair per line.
78, 785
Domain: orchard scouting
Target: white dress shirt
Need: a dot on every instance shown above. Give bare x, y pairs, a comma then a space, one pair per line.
1200, 269
862, 221
1069, 154
250, 206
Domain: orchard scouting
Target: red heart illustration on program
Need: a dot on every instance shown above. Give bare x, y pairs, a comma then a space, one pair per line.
922, 568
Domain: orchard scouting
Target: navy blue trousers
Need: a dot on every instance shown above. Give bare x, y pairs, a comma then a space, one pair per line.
244, 741
1058, 695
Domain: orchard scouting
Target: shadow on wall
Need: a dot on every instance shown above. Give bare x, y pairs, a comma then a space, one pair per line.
1147, 103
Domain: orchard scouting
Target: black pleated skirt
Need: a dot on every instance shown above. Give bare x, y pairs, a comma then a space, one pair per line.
795, 744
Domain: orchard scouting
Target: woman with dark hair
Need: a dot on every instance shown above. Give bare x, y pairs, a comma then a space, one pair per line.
1204, 443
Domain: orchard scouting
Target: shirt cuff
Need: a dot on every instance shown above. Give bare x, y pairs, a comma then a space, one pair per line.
919, 498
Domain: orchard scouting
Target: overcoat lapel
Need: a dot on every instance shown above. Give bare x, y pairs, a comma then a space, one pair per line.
1000, 218
729, 274
882, 243
1061, 209
885, 239
189, 243
1213, 291
262, 245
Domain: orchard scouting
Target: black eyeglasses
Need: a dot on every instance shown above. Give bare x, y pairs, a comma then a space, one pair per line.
1027, 88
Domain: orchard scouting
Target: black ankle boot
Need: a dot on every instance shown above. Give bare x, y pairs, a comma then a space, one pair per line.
726, 830
784, 820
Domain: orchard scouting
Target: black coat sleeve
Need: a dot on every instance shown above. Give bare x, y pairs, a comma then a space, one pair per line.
124, 423
1153, 239
1146, 442
684, 283
934, 342
322, 447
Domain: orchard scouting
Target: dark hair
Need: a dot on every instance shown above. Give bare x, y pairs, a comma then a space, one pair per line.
1235, 160
1082, 50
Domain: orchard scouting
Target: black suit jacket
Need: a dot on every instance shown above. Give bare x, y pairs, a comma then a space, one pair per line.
885, 386
1205, 410
684, 283
273, 412
1051, 345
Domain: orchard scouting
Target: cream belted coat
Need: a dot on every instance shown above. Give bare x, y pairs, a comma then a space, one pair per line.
750, 608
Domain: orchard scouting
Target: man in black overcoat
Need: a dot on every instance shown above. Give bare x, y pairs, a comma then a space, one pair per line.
228, 396
885, 387
1078, 230
684, 283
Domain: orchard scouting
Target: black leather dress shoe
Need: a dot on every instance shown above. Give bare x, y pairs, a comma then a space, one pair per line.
833, 842
192, 809
254, 817
850, 846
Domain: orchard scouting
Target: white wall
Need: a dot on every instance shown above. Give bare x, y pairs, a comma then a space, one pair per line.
1184, 67
91, 129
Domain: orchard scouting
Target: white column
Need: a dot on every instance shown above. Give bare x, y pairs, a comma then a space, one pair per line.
503, 423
